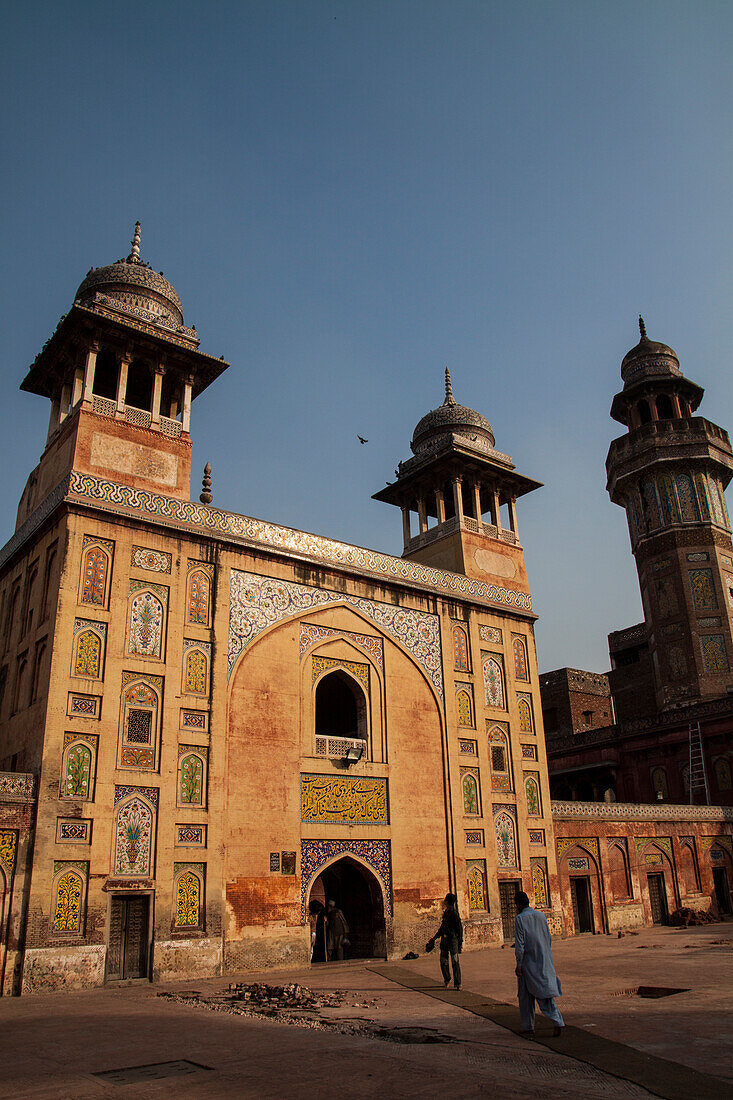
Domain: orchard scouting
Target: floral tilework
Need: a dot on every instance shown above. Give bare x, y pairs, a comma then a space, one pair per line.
372, 646
199, 593
490, 634
259, 602
316, 854
474, 838
714, 656
69, 883
189, 882
8, 849
359, 671
493, 680
95, 569
147, 618
460, 649
196, 661
539, 883
74, 830
190, 836
667, 497
703, 590
191, 775
154, 561
532, 794
78, 766
686, 497
471, 792
537, 836
135, 813
464, 705
521, 668
529, 752
284, 538
505, 828
83, 706
466, 747
88, 648
524, 706
194, 720
476, 882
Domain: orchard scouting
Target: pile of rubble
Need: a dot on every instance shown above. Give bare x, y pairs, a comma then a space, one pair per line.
292, 1004
683, 918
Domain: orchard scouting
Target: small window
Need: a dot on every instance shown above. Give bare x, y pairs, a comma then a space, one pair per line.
588, 717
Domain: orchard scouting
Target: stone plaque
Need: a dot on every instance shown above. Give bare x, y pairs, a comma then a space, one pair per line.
274, 861
288, 863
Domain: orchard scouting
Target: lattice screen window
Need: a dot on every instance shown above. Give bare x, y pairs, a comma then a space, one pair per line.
498, 759
139, 726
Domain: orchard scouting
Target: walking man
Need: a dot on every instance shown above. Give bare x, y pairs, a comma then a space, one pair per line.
338, 931
536, 977
451, 941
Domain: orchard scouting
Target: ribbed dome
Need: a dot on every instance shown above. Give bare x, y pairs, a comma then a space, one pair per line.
648, 350
451, 417
134, 287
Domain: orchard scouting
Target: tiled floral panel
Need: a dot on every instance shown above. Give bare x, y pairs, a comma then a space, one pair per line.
96, 564
493, 680
539, 883
505, 830
358, 670
190, 836
194, 720
686, 498
702, 495
84, 486
476, 883
460, 649
196, 664
343, 800
464, 705
521, 666
578, 863
135, 818
537, 836
189, 881
714, 656
667, 497
69, 890
154, 561
466, 747
372, 646
588, 842
83, 706
191, 775
317, 854
8, 849
474, 838
73, 830
529, 752
198, 593
490, 634
88, 648
471, 790
526, 717
148, 604
532, 795
703, 590
79, 758
259, 602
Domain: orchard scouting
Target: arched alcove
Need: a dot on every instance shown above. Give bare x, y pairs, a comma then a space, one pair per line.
340, 706
139, 392
105, 375
358, 894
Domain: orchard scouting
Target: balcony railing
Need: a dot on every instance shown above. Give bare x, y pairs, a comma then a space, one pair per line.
141, 418
467, 524
336, 748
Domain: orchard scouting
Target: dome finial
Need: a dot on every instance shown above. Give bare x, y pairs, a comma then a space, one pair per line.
642, 328
134, 257
449, 399
205, 497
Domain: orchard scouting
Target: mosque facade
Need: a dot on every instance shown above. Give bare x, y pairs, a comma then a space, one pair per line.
210, 723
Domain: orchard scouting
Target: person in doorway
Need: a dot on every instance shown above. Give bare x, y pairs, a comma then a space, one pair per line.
536, 977
451, 941
318, 931
338, 931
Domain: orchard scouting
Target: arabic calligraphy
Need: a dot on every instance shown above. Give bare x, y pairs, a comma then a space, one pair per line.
344, 800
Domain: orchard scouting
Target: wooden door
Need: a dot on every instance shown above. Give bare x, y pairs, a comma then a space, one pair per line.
127, 950
582, 904
658, 898
507, 890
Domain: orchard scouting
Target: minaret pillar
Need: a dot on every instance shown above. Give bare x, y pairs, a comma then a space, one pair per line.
476, 490
78, 386
458, 498
158, 372
406, 536
89, 368
122, 383
187, 391
513, 516
422, 515
495, 509
440, 505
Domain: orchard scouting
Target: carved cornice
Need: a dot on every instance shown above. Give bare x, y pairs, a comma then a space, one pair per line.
627, 811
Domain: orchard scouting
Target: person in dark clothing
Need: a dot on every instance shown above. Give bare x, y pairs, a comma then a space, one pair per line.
451, 940
337, 931
318, 931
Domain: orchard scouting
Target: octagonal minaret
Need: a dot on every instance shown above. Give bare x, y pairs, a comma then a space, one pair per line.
669, 472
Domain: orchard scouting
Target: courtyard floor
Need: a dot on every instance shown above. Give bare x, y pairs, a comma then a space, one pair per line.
616, 1042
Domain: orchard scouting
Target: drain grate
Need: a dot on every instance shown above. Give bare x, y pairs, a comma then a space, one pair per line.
130, 1075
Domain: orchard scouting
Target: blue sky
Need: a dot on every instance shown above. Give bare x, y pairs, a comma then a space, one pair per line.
350, 195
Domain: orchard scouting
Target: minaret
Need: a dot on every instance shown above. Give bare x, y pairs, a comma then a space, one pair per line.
459, 481
121, 371
669, 471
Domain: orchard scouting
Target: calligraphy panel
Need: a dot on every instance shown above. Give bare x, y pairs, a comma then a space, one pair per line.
343, 800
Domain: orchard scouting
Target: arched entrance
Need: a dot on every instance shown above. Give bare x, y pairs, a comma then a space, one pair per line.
358, 895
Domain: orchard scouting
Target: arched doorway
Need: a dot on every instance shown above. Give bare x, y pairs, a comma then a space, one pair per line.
358, 895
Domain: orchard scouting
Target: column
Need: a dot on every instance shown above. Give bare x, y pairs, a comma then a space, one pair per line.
187, 388
158, 372
676, 405
422, 515
495, 512
457, 498
513, 516
653, 407
89, 368
440, 505
78, 386
122, 383
65, 399
406, 536
476, 490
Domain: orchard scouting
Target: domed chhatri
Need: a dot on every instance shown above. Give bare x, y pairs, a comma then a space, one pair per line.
648, 354
450, 417
131, 286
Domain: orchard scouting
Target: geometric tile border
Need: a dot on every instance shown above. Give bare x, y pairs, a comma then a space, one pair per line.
315, 854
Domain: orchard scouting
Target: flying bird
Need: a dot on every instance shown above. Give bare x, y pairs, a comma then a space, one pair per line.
361, 438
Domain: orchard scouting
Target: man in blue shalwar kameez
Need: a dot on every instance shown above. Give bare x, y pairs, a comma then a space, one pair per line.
536, 977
